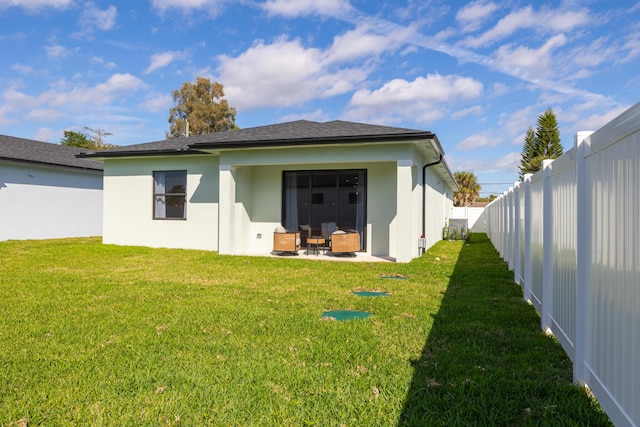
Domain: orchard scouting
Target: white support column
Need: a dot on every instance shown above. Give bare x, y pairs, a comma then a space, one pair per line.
528, 273
547, 246
406, 241
583, 261
226, 207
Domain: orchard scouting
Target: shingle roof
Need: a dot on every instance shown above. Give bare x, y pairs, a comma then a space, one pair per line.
37, 152
307, 132
301, 132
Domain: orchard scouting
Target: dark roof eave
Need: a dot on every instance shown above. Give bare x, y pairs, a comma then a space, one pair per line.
103, 154
97, 169
315, 141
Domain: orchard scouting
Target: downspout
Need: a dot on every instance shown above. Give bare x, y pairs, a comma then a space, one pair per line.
424, 192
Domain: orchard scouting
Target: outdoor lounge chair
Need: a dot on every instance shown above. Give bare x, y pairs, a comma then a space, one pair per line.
327, 229
286, 242
343, 243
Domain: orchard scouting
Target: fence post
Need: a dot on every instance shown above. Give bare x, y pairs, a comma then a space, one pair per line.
516, 232
528, 274
583, 242
547, 246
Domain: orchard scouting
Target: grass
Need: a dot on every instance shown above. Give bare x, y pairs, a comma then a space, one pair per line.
102, 335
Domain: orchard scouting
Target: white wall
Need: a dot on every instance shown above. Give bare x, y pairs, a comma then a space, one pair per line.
474, 216
128, 213
44, 203
438, 207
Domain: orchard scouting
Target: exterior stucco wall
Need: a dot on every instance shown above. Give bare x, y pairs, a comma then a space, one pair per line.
128, 203
264, 203
261, 194
235, 199
439, 201
44, 203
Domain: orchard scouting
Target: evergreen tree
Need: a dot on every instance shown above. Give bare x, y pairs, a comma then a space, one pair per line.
530, 154
543, 143
548, 135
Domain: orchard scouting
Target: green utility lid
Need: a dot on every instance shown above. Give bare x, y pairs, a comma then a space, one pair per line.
371, 293
342, 315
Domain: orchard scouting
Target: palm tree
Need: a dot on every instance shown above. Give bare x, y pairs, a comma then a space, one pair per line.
469, 188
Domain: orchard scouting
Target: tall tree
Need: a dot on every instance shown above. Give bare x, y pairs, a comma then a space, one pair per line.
542, 144
77, 139
200, 108
529, 163
98, 138
548, 135
469, 188
82, 140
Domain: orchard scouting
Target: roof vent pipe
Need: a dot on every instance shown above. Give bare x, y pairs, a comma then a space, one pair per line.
424, 192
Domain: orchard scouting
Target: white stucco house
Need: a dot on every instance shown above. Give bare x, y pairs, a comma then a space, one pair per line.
46, 192
228, 191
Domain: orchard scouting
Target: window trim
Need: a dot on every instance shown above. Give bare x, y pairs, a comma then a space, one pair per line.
181, 194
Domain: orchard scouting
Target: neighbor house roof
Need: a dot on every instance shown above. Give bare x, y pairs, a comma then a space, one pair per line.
23, 150
301, 132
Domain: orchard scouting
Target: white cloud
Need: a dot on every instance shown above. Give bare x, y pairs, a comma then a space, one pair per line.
471, 16
597, 120
93, 18
294, 8
507, 164
283, 73
432, 88
117, 87
35, 5
188, 6
500, 88
98, 60
515, 124
45, 134
424, 99
476, 110
483, 139
162, 59
21, 68
534, 63
316, 115
546, 20
156, 102
362, 43
56, 51
45, 115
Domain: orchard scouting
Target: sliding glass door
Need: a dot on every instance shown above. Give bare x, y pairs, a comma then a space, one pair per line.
313, 198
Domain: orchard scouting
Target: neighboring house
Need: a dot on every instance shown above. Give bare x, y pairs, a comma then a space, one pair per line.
228, 191
46, 192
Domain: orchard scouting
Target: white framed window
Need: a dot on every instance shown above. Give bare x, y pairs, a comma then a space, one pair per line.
170, 194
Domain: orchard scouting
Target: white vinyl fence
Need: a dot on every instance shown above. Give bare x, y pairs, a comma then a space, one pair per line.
571, 233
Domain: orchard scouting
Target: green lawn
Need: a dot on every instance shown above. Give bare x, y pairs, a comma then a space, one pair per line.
94, 334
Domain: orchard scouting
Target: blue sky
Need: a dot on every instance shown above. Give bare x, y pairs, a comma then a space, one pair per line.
477, 73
